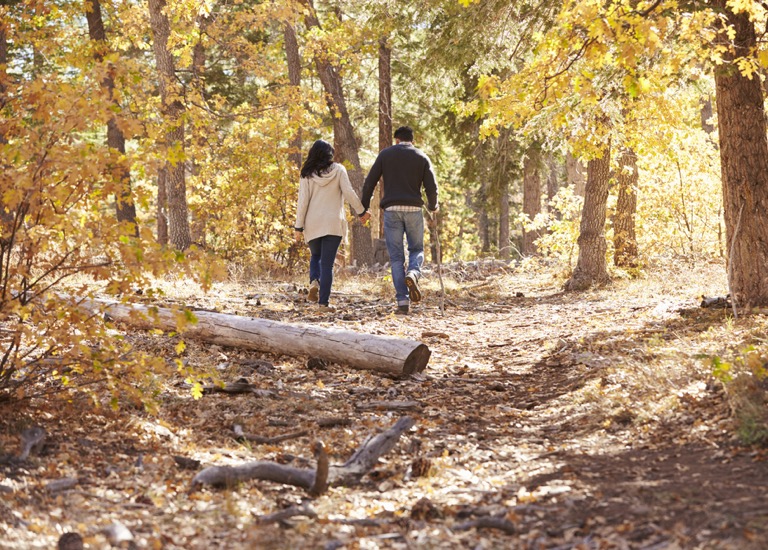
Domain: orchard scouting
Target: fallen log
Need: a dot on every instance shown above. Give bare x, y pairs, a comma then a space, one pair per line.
350, 473
385, 354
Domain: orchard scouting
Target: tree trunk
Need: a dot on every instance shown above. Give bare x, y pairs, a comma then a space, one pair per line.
591, 266
574, 171
483, 222
385, 354
162, 206
173, 110
3, 69
126, 209
503, 144
385, 125
624, 241
6, 218
345, 143
744, 167
504, 235
293, 59
531, 196
706, 114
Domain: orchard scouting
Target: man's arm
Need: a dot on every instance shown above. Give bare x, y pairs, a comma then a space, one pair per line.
430, 186
370, 183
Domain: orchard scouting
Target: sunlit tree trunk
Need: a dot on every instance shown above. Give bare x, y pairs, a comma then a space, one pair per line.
483, 222
3, 66
344, 140
124, 205
179, 234
744, 167
553, 178
531, 196
706, 112
591, 266
575, 174
6, 218
162, 206
504, 143
385, 125
624, 240
293, 59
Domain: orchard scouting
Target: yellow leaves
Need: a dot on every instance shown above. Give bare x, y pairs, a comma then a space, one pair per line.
487, 86
751, 7
747, 66
196, 390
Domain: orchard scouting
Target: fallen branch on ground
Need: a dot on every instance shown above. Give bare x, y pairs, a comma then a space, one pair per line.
350, 473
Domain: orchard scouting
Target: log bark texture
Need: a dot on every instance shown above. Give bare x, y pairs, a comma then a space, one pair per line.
386, 354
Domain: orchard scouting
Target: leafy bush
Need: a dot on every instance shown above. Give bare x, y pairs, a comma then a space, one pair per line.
746, 383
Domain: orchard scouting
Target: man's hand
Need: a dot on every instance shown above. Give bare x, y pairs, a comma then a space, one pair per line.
365, 217
432, 218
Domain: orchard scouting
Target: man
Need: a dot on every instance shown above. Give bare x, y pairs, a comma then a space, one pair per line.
405, 170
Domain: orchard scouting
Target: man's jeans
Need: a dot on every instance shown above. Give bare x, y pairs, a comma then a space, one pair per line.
323, 254
410, 224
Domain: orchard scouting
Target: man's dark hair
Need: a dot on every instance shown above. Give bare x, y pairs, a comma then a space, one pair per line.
404, 133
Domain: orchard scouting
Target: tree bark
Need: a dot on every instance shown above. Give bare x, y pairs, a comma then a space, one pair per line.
706, 114
574, 171
624, 240
345, 143
591, 266
293, 59
744, 168
385, 125
3, 69
179, 233
531, 196
124, 205
7, 218
162, 206
385, 354
503, 145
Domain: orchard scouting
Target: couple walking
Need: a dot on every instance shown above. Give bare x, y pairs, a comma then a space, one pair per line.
320, 218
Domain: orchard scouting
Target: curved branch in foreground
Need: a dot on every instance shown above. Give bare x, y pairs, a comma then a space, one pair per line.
350, 473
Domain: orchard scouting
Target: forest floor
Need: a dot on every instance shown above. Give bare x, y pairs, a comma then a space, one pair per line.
565, 420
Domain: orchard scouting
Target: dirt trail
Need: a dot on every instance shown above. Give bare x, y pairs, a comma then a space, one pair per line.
573, 420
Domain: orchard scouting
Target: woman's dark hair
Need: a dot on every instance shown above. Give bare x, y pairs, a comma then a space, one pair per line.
319, 159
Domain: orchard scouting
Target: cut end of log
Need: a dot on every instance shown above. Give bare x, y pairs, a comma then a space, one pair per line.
417, 360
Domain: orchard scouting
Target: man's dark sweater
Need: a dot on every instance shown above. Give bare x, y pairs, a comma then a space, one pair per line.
405, 169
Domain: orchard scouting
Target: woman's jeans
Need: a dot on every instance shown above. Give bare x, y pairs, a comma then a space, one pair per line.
323, 250
410, 224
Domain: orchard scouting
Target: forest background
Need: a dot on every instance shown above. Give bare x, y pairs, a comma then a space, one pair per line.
148, 140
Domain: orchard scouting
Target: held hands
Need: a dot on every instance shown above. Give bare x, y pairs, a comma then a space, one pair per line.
298, 236
364, 218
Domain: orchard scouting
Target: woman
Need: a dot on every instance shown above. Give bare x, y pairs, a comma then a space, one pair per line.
320, 217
